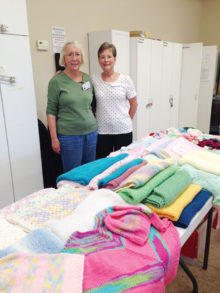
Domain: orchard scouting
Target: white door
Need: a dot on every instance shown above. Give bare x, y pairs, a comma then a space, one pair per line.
121, 40
160, 109
13, 17
140, 60
190, 83
18, 101
6, 188
207, 84
174, 92
143, 87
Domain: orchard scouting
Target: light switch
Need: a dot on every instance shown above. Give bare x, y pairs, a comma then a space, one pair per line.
42, 45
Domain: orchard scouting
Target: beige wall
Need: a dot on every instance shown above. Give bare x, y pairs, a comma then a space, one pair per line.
169, 20
210, 22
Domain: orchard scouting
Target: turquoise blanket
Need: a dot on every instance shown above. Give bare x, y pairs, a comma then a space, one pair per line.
84, 174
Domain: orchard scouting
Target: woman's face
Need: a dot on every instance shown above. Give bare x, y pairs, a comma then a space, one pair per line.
73, 57
107, 60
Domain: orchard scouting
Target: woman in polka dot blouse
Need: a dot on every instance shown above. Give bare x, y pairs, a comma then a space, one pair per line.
116, 104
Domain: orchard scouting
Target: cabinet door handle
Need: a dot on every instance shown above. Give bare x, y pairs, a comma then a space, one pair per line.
171, 101
5, 78
3, 28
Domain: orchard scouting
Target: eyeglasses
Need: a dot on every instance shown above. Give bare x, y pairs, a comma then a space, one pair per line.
73, 55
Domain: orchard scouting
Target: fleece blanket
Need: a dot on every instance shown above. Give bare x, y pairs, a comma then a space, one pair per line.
20, 273
48, 204
84, 173
38, 241
167, 191
137, 251
135, 195
190, 210
174, 210
208, 181
202, 160
83, 217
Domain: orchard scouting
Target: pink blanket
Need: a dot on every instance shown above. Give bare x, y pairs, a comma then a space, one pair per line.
128, 251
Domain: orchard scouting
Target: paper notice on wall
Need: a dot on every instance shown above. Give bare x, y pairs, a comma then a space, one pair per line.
206, 67
58, 38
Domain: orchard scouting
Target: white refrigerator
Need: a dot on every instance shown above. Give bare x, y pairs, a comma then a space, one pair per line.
20, 159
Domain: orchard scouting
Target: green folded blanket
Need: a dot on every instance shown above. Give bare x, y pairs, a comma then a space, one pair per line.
169, 190
136, 195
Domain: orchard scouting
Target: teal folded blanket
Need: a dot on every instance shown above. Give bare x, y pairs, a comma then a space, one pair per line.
136, 195
84, 174
168, 191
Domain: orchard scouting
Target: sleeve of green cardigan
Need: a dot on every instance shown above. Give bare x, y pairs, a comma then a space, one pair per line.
53, 97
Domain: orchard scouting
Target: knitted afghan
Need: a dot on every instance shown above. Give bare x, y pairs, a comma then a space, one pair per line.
202, 160
102, 182
141, 176
113, 184
178, 148
9, 233
167, 191
135, 195
23, 273
189, 212
83, 217
38, 241
207, 180
83, 174
125, 253
174, 210
48, 204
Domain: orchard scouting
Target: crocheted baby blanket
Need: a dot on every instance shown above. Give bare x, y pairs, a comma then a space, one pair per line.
22, 273
32, 212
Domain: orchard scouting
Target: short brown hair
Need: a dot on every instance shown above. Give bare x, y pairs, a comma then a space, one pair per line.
109, 46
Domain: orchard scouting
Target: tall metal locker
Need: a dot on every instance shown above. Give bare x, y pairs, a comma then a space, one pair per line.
20, 160
121, 41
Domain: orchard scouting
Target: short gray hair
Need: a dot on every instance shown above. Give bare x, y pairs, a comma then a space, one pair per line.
63, 52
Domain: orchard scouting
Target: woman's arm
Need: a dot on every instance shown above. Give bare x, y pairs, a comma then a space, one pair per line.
51, 119
133, 107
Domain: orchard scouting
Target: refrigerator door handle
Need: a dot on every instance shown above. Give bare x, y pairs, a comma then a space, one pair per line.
3, 28
5, 78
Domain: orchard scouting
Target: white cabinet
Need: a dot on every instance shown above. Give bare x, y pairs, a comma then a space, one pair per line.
118, 38
206, 89
155, 69
13, 19
20, 160
166, 77
190, 83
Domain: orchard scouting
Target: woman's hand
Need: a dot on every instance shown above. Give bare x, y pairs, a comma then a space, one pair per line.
56, 145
